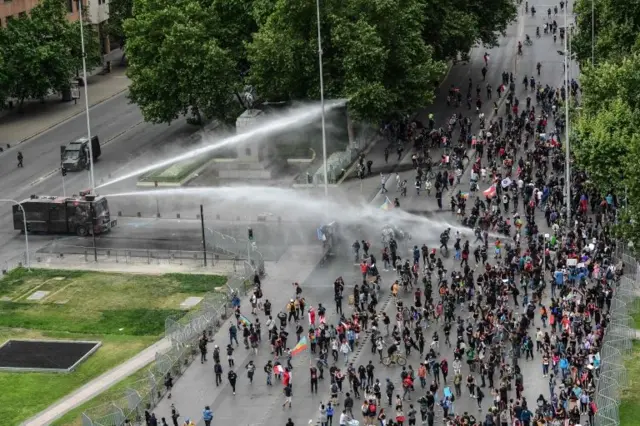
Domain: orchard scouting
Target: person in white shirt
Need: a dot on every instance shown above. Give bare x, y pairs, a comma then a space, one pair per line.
344, 418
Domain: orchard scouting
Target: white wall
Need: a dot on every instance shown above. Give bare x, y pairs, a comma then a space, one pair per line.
98, 11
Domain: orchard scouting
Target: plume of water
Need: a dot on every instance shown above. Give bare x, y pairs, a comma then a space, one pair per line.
294, 205
295, 118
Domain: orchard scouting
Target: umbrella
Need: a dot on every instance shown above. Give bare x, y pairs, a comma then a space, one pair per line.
505, 182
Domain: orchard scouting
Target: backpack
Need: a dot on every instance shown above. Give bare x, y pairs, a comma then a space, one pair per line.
372, 408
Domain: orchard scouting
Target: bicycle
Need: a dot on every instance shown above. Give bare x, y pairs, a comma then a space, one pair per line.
396, 358
528, 42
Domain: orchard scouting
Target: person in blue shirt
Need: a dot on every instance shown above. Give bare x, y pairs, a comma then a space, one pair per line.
207, 415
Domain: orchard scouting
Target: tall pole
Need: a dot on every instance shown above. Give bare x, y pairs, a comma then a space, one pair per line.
86, 95
324, 133
204, 243
94, 221
24, 224
593, 32
566, 120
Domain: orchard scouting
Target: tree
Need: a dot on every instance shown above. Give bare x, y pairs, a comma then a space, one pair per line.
373, 54
606, 138
119, 12
604, 143
176, 66
4, 83
454, 26
41, 52
92, 48
617, 29
36, 52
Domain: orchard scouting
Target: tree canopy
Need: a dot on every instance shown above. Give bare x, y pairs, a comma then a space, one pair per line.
40, 52
385, 56
617, 29
176, 65
606, 136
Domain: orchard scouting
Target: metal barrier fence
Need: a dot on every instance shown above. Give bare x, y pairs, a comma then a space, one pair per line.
183, 334
617, 343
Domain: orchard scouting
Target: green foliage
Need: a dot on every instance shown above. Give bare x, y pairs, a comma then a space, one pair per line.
604, 143
40, 52
607, 140
617, 29
176, 66
119, 12
385, 56
373, 54
454, 26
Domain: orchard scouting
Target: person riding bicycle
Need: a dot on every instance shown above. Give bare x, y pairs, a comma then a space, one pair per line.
392, 349
527, 40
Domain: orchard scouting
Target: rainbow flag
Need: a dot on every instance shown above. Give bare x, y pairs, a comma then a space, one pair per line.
244, 320
464, 195
302, 345
387, 205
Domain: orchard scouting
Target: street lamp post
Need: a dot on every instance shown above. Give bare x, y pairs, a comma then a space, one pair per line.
566, 120
593, 32
24, 223
86, 94
324, 133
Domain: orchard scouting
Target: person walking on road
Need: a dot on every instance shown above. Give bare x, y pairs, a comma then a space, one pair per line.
232, 376
217, 369
20, 158
287, 396
207, 416
202, 345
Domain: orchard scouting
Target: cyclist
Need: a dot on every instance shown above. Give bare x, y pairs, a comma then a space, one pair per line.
392, 350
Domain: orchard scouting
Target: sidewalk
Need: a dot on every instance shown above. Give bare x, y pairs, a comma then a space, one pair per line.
135, 265
98, 385
37, 117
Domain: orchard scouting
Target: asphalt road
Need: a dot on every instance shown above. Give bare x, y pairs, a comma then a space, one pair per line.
127, 141
257, 404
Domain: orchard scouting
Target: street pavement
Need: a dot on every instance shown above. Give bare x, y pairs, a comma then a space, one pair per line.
255, 404
112, 117
126, 139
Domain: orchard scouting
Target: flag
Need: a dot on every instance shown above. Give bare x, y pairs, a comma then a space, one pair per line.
301, 346
244, 320
490, 192
387, 205
278, 369
464, 195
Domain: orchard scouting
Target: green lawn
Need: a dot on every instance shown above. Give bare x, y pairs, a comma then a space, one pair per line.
126, 312
630, 404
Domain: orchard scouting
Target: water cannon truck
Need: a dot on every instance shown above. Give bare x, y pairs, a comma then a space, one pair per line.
80, 214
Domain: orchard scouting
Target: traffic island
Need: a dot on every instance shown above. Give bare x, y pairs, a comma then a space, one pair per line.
125, 312
175, 175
